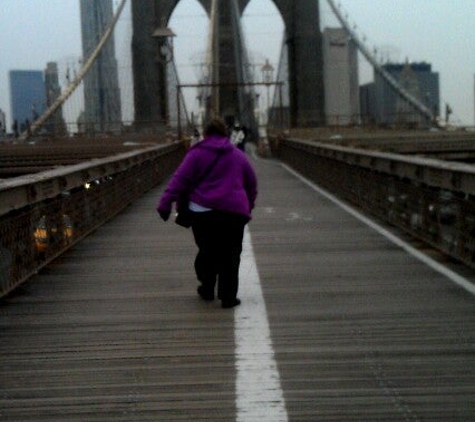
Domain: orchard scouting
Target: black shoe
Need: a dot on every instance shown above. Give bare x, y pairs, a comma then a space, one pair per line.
230, 303
204, 294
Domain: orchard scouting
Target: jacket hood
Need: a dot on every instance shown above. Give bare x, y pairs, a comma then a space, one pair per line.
214, 143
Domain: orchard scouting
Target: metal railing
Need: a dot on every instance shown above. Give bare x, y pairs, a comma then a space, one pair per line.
432, 200
42, 215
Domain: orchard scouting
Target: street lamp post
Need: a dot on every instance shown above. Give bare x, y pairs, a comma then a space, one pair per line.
267, 77
164, 36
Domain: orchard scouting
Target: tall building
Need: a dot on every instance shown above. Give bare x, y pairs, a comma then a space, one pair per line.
419, 80
3, 123
340, 70
55, 123
27, 96
368, 104
101, 84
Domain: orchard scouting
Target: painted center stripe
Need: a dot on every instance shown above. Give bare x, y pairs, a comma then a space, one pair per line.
259, 395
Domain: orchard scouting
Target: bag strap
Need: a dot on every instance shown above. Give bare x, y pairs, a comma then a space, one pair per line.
208, 171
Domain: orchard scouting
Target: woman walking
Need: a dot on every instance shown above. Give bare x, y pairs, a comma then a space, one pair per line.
221, 187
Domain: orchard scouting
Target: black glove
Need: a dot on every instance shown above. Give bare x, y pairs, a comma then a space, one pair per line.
165, 215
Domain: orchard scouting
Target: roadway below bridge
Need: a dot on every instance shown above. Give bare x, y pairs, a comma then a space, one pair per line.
19, 159
337, 323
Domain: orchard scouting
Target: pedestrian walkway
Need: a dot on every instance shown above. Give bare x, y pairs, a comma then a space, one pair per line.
337, 323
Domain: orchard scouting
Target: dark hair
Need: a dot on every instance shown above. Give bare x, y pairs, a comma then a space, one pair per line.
215, 126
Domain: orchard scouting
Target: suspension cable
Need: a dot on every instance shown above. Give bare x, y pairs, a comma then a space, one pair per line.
401, 91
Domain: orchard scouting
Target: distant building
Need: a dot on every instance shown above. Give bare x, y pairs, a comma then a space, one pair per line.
368, 104
27, 96
55, 123
101, 84
3, 123
340, 59
418, 79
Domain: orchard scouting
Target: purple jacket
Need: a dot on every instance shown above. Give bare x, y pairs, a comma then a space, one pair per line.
230, 186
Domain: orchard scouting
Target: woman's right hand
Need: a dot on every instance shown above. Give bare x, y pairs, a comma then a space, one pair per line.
165, 215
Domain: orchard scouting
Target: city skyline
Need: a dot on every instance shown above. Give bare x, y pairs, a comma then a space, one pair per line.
437, 32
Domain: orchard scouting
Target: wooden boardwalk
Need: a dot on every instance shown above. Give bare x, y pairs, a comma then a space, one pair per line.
360, 330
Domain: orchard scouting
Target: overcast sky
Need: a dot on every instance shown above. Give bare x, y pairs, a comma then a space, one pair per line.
441, 32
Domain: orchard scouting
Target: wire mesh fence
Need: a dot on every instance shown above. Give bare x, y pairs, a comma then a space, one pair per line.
49, 214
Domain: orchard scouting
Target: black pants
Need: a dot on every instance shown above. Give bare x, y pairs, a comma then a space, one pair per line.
219, 236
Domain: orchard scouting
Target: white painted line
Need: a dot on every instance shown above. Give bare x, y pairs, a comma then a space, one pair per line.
259, 395
451, 275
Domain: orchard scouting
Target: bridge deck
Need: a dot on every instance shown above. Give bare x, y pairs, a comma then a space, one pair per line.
361, 330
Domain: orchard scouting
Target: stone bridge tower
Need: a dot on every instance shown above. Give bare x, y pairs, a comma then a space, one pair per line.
303, 39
